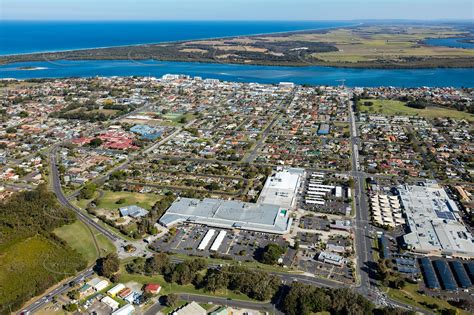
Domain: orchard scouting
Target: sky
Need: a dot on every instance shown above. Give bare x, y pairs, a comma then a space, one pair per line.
235, 9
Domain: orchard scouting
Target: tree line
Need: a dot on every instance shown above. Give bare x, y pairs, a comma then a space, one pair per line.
294, 299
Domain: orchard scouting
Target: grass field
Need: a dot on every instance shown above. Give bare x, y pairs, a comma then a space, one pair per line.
79, 237
174, 119
110, 198
84, 202
393, 108
248, 264
33, 265
410, 296
167, 288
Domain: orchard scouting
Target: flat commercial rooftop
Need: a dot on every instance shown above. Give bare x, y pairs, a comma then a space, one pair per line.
281, 188
434, 221
270, 214
229, 214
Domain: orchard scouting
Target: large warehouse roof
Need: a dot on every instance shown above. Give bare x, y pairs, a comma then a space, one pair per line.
270, 214
434, 222
228, 214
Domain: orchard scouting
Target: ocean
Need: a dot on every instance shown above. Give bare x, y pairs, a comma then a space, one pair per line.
20, 37
28, 37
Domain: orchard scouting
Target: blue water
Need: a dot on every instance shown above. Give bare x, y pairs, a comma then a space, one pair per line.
244, 73
26, 37
454, 42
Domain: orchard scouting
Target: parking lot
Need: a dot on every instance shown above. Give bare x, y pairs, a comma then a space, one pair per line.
307, 262
94, 306
239, 245
310, 222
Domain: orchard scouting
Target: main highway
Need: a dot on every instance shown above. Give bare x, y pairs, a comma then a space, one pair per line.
363, 241
362, 228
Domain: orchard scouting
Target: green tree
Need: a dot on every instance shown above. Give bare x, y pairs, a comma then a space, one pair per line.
272, 253
96, 142
71, 308
88, 191
73, 295
108, 265
172, 300
157, 264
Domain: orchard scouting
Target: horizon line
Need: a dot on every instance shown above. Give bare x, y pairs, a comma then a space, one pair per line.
234, 20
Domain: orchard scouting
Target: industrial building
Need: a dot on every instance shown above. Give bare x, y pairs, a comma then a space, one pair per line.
434, 222
270, 214
107, 300
116, 289
98, 284
127, 309
192, 308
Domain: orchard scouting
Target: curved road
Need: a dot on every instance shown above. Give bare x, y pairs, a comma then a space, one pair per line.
363, 243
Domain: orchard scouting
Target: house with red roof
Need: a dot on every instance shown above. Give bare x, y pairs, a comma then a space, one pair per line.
153, 288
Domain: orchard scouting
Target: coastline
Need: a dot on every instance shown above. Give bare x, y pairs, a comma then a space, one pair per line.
180, 41
259, 50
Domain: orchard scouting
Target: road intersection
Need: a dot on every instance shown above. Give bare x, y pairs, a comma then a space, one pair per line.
363, 237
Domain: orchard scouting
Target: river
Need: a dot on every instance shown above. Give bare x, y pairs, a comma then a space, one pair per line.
314, 75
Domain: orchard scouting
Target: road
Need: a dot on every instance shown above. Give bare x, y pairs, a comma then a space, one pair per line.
63, 200
364, 231
362, 227
264, 307
362, 234
253, 154
62, 288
